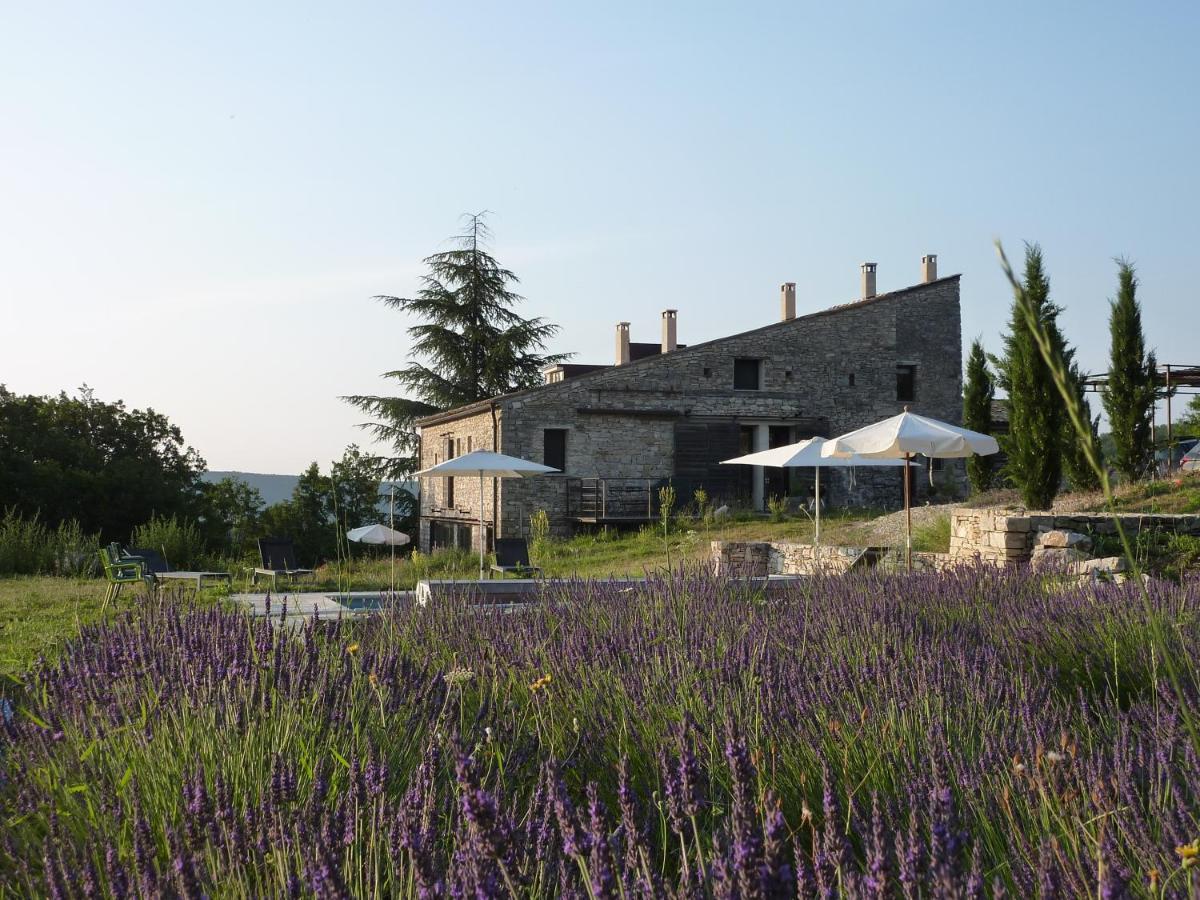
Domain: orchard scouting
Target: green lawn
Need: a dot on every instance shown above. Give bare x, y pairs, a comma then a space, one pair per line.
38, 613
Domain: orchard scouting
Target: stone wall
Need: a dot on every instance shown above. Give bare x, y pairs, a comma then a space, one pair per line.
1006, 537
754, 559
824, 373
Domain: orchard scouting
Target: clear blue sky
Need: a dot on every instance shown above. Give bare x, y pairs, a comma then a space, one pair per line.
235, 181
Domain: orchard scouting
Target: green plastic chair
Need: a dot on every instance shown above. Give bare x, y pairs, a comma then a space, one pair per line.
118, 572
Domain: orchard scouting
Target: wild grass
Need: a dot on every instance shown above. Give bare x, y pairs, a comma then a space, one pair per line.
178, 540
29, 546
933, 536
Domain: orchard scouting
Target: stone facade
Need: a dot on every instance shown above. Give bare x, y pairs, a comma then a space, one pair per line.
820, 374
454, 503
1005, 537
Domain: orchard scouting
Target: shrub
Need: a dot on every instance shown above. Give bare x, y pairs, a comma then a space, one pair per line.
29, 547
777, 506
178, 540
451, 561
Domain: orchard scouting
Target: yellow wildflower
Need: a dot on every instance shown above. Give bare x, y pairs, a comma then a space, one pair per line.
353, 648
373, 679
1189, 853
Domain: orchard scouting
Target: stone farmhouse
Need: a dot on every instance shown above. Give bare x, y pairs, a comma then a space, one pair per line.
668, 413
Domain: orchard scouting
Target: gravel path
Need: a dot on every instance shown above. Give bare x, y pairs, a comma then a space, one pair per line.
888, 530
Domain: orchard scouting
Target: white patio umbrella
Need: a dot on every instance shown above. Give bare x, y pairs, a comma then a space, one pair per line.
807, 453
382, 534
377, 534
903, 437
485, 463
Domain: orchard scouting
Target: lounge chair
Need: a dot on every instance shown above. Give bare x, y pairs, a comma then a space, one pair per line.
278, 558
157, 570
119, 572
512, 557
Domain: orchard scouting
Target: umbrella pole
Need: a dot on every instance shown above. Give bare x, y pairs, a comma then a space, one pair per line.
907, 517
482, 537
817, 494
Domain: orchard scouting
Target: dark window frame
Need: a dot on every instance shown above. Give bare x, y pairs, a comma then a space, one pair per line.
741, 365
555, 457
906, 382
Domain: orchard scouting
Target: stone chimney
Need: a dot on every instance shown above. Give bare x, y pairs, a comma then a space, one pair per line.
670, 336
787, 301
929, 267
622, 344
868, 280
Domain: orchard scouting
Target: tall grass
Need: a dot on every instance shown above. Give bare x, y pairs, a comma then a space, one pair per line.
30, 547
178, 540
933, 536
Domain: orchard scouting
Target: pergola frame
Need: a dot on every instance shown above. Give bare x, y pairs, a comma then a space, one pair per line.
1173, 378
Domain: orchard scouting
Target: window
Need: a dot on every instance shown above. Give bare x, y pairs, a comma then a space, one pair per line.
747, 374
451, 452
906, 383
469, 442
707, 372
851, 379
554, 448
787, 376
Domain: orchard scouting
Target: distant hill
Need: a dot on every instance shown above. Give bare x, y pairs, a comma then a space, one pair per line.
277, 488
274, 488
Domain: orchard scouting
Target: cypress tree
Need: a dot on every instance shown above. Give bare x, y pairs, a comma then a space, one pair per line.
1130, 394
473, 345
1079, 471
978, 393
1036, 413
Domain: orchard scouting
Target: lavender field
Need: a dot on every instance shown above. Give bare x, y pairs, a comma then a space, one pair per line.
978, 734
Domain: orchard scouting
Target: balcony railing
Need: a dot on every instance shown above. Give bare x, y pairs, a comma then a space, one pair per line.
613, 499
623, 499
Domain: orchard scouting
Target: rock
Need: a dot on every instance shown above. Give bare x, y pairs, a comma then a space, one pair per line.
1056, 557
1061, 538
1113, 565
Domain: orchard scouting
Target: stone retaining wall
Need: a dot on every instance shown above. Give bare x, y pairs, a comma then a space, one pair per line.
1005, 537
754, 559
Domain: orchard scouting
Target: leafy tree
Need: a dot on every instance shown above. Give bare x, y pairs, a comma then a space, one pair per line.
470, 344
108, 467
232, 512
1189, 422
323, 506
1130, 394
355, 488
978, 393
1037, 418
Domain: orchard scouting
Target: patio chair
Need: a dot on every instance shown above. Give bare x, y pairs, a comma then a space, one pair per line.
512, 557
157, 570
119, 572
278, 556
